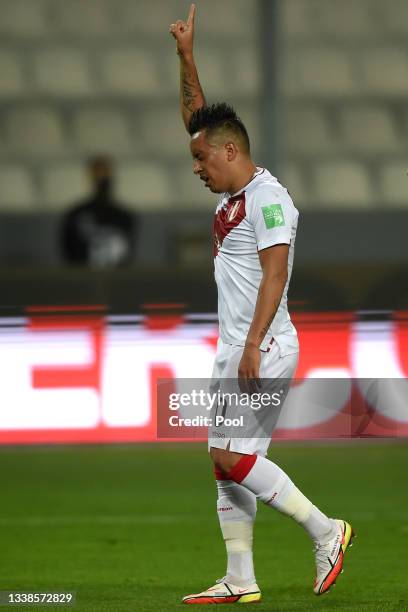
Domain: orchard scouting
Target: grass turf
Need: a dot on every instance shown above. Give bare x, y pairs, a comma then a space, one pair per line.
133, 528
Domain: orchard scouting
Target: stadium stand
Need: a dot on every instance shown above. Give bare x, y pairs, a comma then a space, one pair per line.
296, 177
308, 130
22, 18
61, 184
393, 181
115, 136
16, 187
12, 79
344, 88
77, 78
368, 130
341, 183
62, 71
144, 184
35, 131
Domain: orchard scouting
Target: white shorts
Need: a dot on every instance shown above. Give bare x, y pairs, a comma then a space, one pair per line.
254, 436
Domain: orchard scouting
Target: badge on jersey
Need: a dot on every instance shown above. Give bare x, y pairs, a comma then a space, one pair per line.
273, 216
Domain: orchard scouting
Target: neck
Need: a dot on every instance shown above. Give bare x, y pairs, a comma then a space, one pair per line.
244, 176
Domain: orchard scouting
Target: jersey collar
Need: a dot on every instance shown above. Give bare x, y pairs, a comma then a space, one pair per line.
257, 173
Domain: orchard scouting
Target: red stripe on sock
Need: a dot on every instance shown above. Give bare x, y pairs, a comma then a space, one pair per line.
242, 468
219, 475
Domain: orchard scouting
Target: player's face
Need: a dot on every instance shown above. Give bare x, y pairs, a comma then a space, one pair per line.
210, 163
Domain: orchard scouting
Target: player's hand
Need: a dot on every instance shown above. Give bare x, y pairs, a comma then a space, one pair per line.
248, 370
183, 32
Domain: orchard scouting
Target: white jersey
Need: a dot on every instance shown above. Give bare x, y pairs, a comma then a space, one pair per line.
261, 215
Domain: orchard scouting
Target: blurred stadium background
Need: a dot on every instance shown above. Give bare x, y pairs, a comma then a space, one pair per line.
322, 86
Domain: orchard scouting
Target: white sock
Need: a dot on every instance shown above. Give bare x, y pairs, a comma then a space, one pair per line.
271, 485
236, 508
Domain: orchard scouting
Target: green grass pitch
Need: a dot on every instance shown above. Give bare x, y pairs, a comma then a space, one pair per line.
134, 528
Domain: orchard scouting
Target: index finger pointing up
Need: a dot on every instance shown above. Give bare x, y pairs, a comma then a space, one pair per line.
191, 15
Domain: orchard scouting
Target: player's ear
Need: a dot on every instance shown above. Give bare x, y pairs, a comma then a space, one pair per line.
231, 151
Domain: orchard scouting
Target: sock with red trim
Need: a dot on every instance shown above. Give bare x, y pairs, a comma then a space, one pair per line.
236, 508
271, 485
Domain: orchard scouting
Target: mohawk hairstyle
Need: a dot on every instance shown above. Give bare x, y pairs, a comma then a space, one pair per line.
220, 116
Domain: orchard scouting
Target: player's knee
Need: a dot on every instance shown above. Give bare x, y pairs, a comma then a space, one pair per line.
223, 460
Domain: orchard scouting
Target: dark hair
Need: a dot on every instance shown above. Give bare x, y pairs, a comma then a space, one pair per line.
218, 116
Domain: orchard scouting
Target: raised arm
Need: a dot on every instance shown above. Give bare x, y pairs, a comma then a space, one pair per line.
191, 94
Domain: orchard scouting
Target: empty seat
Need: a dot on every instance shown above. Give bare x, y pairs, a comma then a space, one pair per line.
149, 18
23, 18
131, 71
368, 129
64, 184
229, 17
243, 70
307, 130
385, 71
294, 178
343, 183
298, 19
324, 71
288, 75
345, 19
35, 131
99, 130
12, 81
16, 189
405, 123
144, 186
4, 148
62, 72
394, 182
162, 132
236, 18
81, 18
393, 16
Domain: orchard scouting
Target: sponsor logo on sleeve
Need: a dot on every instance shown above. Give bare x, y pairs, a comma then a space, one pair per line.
273, 216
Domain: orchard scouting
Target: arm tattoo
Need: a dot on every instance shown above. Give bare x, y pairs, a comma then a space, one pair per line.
189, 92
271, 318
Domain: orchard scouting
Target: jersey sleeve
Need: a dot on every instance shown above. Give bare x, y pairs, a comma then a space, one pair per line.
272, 215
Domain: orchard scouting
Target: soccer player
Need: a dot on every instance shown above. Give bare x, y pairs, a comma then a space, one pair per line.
254, 234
